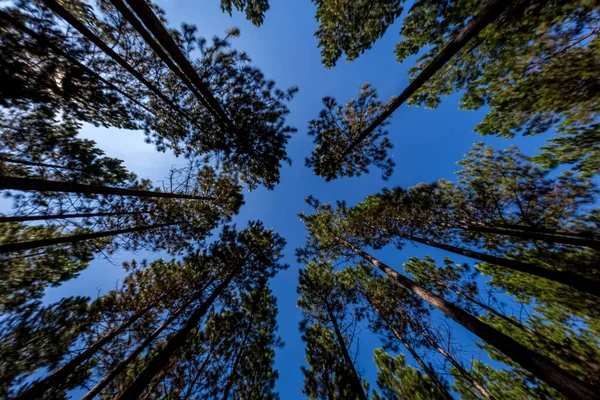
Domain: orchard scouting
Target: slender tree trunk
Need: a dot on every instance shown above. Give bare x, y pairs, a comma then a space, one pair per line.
61, 374
432, 375
573, 280
492, 311
160, 360
490, 11
567, 354
358, 388
34, 244
26, 218
537, 236
154, 25
236, 363
558, 232
42, 185
8, 159
158, 379
199, 372
539, 365
466, 374
133, 355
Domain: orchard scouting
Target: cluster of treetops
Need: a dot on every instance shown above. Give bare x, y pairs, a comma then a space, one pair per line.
203, 323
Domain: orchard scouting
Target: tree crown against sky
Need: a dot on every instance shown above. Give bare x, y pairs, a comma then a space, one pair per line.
206, 323
546, 47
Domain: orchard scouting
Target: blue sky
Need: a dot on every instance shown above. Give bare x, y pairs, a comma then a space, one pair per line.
427, 145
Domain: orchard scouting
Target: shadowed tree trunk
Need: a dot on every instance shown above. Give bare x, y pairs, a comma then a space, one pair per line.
575, 281
432, 375
539, 365
8, 159
25, 218
236, 363
161, 359
133, 355
34, 244
61, 374
154, 25
41, 185
358, 388
588, 243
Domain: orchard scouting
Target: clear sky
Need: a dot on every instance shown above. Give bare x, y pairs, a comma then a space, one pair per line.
427, 145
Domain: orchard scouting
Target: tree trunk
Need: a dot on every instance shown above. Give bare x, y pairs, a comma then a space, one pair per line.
573, 280
8, 159
358, 388
538, 365
87, 33
139, 27
492, 311
42, 185
558, 232
237, 361
490, 11
34, 244
133, 355
160, 360
26, 218
536, 236
432, 375
154, 25
466, 374
61, 374
554, 354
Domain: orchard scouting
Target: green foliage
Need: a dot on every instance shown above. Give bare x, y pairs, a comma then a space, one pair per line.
338, 126
399, 381
39, 336
327, 376
254, 9
352, 26
549, 48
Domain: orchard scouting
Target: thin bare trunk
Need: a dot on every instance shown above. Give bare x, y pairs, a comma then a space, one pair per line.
41, 185
358, 388
134, 354
573, 280
161, 359
34, 244
432, 375
27, 218
61, 374
466, 374
236, 363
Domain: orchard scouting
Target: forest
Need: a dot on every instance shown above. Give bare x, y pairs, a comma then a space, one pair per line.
338, 199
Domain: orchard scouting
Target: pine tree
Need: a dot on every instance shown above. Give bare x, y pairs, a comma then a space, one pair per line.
328, 238
335, 164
